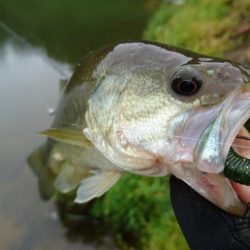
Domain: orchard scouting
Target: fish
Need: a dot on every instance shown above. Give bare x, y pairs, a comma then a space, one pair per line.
154, 110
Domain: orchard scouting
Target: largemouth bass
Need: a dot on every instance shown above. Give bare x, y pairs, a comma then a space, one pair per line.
153, 110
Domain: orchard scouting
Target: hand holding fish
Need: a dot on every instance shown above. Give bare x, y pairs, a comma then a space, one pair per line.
153, 110
204, 225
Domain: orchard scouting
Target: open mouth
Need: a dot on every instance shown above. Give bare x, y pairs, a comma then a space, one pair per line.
237, 165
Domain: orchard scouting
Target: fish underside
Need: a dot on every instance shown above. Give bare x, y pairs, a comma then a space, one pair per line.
153, 110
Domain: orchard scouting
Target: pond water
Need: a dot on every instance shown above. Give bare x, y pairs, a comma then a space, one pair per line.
39, 42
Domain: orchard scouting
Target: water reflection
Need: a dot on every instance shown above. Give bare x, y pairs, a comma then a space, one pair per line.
29, 88
29, 92
69, 29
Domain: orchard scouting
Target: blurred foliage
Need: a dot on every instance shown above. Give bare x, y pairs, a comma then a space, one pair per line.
139, 209
67, 30
208, 27
3, 36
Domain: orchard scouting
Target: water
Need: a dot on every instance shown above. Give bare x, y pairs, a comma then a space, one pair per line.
38, 44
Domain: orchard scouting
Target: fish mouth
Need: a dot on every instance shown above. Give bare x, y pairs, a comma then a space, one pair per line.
237, 163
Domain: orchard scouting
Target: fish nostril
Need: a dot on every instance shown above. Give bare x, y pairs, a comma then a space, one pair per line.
223, 73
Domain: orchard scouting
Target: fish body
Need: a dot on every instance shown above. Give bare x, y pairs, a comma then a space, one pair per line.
152, 110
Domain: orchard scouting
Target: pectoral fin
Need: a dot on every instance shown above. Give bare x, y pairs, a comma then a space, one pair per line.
96, 185
67, 135
69, 178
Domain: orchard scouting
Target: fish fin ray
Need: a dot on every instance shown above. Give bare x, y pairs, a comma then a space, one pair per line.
68, 135
96, 186
69, 178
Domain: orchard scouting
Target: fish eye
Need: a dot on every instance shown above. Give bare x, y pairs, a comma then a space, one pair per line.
186, 84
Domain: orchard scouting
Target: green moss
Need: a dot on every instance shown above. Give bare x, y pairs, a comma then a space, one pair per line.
204, 26
139, 207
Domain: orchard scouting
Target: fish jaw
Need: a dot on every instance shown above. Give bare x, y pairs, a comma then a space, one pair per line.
214, 144
214, 187
218, 189
202, 150
216, 140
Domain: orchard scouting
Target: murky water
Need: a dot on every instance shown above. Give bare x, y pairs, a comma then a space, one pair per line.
29, 92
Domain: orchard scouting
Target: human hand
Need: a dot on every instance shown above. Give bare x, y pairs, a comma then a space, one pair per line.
204, 225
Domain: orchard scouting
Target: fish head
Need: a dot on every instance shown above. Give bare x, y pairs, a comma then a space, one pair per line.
159, 111
206, 131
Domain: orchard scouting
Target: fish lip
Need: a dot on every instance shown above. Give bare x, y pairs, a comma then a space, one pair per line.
215, 141
241, 109
238, 116
242, 190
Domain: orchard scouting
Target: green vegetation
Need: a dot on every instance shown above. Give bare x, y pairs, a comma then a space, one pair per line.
139, 209
208, 27
68, 30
